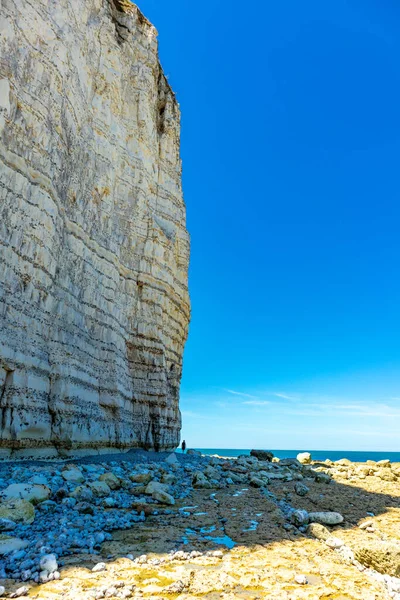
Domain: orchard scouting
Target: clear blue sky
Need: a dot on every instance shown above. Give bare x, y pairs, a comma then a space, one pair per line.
291, 148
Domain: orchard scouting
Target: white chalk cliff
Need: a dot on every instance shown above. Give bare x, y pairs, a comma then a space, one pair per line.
94, 251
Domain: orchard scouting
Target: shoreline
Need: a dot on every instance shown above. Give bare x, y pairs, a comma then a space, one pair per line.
203, 513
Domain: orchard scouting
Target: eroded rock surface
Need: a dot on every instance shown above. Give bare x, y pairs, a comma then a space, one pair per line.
94, 250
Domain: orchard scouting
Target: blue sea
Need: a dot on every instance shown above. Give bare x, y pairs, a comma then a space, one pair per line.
359, 456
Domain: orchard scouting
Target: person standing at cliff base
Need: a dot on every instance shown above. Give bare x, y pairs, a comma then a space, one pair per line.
183, 446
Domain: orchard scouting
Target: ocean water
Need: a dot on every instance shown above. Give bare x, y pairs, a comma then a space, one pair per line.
359, 456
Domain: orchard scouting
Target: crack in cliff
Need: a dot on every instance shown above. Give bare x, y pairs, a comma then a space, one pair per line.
4, 387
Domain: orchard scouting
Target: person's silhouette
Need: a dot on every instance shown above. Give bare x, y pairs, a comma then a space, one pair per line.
183, 446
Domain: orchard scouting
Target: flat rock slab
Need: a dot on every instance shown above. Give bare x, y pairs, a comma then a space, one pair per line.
382, 556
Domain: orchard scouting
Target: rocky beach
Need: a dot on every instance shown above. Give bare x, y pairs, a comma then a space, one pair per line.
158, 525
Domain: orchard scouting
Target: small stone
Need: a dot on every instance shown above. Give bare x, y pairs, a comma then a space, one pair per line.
48, 563
168, 478
262, 455
111, 480
334, 543
140, 477
318, 531
321, 477
163, 497
44, 576
82, 493
366, 524
100, 489
22, 591
256, 482
347, 554
99, 567
155, 486
193, 452
74, 475
300, 517
7, 524
304, 458
200, 481
85, 508
109, 502
301, 579
301, 489
172, 459
2, 590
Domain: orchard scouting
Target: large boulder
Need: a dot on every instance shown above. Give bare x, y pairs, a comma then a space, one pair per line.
262, 455
19, 511
26, 491
304, 458
386, 474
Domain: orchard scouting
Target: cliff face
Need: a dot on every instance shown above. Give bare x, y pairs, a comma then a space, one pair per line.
94, 250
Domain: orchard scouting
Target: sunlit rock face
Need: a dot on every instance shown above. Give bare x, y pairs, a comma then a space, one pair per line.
94, 250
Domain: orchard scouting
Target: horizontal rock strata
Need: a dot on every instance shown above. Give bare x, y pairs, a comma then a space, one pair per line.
94, 250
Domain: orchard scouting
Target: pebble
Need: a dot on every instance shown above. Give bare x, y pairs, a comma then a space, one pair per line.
300, 517
48, 563
301, 579
99, 567
22, 591
301, 489
7, 524
334, 543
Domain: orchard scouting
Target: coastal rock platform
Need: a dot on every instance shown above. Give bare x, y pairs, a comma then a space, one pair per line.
238, 528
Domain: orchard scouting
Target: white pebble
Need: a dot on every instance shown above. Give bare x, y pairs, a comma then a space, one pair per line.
99, 567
